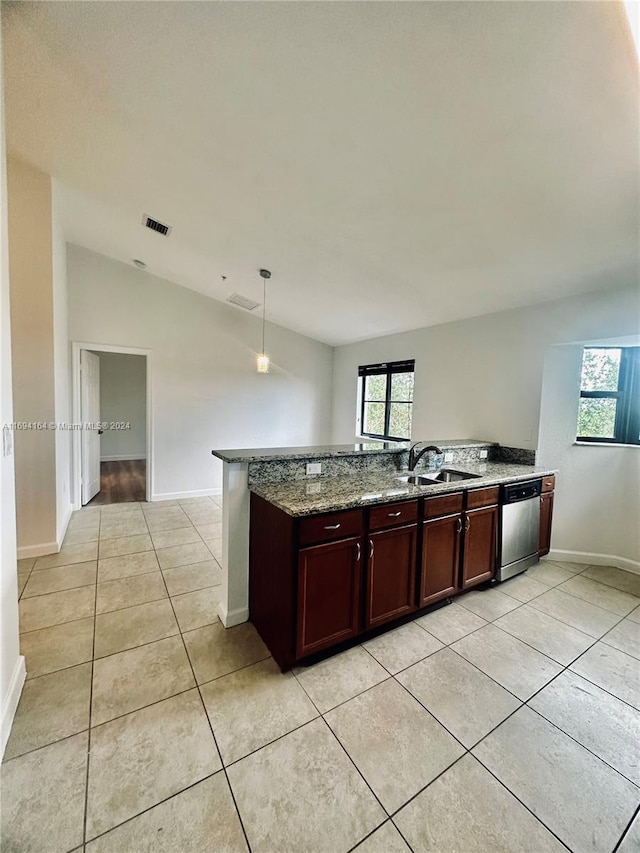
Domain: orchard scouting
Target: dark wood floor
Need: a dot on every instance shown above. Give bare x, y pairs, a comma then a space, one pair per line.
121, 482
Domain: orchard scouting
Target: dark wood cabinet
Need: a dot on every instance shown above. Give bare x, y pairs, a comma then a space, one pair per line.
328, 594
391, 574
480, 541
440, 558
546, 515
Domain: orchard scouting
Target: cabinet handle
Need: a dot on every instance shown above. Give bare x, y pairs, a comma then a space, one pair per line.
332, 526
394, 514
358, 552
371, 549
467, 524
459, 525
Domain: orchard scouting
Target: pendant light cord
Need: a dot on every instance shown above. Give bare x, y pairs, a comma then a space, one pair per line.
264, 308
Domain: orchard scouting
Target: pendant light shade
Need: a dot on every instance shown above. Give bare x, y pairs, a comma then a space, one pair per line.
262, 359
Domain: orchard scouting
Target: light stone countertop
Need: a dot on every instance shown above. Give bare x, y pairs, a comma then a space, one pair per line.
325, 494
274, 454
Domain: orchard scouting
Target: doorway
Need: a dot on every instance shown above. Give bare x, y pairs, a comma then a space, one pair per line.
112, 440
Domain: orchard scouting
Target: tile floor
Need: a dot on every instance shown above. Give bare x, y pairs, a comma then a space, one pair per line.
507, 721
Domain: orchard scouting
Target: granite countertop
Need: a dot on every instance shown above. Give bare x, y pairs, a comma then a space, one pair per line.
325, 494
273, 454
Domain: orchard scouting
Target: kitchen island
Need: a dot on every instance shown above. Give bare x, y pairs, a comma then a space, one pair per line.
351, 476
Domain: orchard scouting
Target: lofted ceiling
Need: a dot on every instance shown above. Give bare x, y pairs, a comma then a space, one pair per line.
395, 164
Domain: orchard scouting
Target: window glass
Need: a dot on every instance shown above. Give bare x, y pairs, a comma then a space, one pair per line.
402, 387
600, 369
387, 400
400, 420
597, 417
374, 418
376, 388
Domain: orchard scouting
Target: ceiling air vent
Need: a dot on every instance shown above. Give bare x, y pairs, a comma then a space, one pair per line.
242, 301
156, 226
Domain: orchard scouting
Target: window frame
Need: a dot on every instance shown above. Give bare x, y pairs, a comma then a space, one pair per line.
626, 428
388, 369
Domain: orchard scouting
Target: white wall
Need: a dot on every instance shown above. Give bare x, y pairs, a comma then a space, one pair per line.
12, 671
205, 391
482, 378
32, 333
123, 398
597, 502
61, 370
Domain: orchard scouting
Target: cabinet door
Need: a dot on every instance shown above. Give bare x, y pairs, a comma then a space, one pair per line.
480, 538
391, 574
328, 594
546, 514
440, 558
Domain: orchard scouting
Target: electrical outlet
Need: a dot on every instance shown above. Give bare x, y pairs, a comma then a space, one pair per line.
484, 454
314, 468
448, 456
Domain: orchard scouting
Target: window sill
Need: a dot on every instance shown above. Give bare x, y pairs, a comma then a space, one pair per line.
603, 444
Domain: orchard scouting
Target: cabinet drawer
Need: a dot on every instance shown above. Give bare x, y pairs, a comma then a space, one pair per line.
392, 514
331, 525
445, 505
482, 497
548, 483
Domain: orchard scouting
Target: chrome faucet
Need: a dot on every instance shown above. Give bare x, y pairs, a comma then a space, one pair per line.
416, 456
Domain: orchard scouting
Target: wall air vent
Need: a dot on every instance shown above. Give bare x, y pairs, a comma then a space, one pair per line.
156, 226
242, 301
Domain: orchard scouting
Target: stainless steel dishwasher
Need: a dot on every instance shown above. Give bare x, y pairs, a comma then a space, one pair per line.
519, 528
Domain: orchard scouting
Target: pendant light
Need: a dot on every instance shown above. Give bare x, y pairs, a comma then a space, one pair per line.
262, 360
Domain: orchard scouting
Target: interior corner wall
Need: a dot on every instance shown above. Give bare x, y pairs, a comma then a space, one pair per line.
12, 671
32, 341
123, 400
205, 392
61, 370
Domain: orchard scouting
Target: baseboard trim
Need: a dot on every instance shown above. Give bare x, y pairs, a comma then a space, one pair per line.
233, 617
11, 700
62, 531
40, 550
125, 457
595, 559
196, 493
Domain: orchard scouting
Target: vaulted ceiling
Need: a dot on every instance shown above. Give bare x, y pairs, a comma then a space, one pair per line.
395, 165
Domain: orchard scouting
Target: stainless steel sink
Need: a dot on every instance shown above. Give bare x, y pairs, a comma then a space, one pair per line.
448, 475
444, 475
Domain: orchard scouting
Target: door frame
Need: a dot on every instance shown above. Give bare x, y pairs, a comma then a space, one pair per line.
76, 411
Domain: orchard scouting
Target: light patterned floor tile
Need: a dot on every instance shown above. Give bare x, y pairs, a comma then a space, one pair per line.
130, 680
489, 604
179, 536
449, 687
189, 578
486, 817
333, 681
44, 611
403, 646
516, 666
619, 579
451, 623
51, 707
201, 818
183, 555
124, 545
387, 839
215, 650
574, 611
400, 749
68, 554
126, 566
625, 637
122, 525
125, 592
64, 577
196, 609
613, 670
134, 626
596, 719
303, 793
523, 588
607, 597
554, 639
278, 705
141, 759
51, 649
547, 770
43, 797
549, 574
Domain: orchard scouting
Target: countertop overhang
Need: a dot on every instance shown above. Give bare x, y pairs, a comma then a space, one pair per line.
275, 454
326, 494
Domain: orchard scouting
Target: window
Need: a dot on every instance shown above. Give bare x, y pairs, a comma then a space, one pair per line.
610, 395
387, 400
